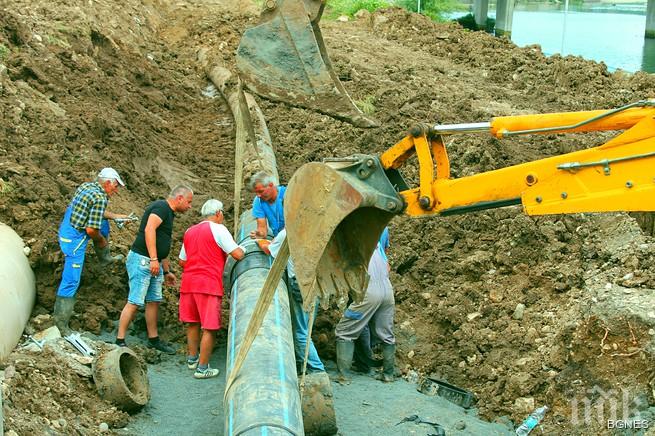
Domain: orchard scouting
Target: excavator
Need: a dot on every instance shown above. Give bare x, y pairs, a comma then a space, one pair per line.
335, 210
342, 205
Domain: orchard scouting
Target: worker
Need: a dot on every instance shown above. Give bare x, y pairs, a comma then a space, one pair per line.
267, 207
148, 265
299, 317
202, 257
83, 220
377, 307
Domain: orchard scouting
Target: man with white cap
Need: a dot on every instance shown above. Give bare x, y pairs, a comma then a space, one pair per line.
82, 221
204, 251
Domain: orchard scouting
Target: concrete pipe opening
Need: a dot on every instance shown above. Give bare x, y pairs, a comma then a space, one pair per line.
121, 379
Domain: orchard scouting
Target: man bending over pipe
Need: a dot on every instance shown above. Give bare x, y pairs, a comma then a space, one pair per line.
84, 219
204, 252
267, 206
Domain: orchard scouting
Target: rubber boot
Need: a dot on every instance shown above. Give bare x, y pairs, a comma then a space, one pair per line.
62, 314
389, 360
104, 255
345, 350
363, 361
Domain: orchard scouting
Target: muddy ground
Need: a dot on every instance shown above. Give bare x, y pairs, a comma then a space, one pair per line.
521, 311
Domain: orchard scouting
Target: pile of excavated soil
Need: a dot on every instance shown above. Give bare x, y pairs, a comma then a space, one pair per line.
521, 311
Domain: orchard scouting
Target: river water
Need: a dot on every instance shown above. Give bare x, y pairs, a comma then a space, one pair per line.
613, 37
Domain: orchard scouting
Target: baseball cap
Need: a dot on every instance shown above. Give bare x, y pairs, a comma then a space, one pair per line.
110, 173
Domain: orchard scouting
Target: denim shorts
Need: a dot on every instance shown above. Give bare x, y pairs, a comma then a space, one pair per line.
143, 286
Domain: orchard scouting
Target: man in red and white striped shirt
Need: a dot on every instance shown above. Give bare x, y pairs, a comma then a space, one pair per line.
203, 255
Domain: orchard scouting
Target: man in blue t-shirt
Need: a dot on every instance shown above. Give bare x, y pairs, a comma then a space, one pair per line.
267, 206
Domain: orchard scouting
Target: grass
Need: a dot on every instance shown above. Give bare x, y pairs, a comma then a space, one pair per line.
337, 8
4, 52
53, 40
366, 105
434, 9
6, 188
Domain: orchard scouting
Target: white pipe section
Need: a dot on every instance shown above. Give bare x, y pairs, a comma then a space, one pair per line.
17, 290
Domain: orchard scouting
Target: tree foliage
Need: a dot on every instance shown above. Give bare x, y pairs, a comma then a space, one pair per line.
435, 9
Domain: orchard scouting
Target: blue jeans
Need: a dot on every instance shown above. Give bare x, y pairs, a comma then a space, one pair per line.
144, 287
299, 320
73, 244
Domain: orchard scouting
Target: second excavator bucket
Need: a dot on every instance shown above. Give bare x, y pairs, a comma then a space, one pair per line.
335, 212
283, 58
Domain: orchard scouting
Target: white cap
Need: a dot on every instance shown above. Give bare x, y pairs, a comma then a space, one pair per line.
110, 173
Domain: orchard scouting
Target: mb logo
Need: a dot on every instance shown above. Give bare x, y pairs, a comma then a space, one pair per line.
611, 408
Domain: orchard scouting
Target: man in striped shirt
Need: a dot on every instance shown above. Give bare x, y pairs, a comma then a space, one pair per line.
82, 221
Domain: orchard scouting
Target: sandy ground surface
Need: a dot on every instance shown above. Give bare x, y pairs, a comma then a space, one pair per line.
181, 404
364, 407
521, 311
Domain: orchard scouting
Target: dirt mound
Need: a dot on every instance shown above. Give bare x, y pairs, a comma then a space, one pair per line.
519, 310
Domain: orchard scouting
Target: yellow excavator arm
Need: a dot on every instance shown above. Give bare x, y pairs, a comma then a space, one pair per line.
616, 176
335, 211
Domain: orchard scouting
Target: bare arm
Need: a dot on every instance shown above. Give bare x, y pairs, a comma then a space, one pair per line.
237, 253
170, 279
262, 229
154, 221
112, 216
97, 238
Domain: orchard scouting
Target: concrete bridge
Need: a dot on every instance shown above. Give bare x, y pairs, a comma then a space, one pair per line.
505, 11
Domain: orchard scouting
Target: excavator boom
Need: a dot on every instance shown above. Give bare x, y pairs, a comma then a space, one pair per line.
335, 211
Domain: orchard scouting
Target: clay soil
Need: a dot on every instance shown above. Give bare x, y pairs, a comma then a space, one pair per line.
94, 83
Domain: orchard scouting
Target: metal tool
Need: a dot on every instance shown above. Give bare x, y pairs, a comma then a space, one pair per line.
37, 342
76, 341
439, 430
120, 222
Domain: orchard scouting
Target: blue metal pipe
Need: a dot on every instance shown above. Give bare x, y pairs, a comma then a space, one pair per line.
264, 398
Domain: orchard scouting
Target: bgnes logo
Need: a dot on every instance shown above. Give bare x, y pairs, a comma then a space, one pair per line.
614, 408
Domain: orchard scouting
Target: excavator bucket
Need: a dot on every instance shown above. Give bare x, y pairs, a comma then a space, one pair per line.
283, 58
335, 212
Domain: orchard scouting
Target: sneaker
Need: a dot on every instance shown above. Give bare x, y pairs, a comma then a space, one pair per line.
206, 373
192, 363
161, 346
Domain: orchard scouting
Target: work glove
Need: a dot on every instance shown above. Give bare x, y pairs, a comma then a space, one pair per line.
104, 256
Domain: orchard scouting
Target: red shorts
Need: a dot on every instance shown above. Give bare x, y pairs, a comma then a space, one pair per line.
202, 308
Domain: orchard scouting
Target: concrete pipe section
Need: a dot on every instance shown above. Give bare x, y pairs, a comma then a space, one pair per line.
264, 398
17, 289
122, 379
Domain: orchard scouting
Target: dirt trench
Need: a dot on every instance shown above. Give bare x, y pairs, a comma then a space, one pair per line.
90, 84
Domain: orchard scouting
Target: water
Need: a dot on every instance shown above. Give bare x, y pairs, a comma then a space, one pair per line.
615, 38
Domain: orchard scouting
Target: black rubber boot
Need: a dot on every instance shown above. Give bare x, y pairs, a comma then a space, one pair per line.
104, 255
345, 350
363, 360
389, 360
62, 314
